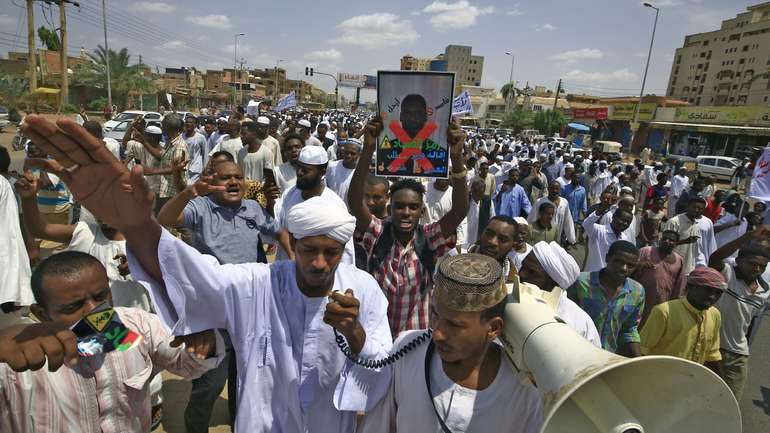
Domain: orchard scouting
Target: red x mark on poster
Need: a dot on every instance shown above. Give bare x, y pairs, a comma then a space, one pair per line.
415, 146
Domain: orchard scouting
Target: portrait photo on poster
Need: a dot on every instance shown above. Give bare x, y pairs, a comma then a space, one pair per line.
416, 108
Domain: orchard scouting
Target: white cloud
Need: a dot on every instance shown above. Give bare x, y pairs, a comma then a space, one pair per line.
578, 55
154, 7
544, 27
378, 30
330, 56
173, 45
458, 15
414, 13
514, 13
214, 21
665, 3
7, 21
591, 77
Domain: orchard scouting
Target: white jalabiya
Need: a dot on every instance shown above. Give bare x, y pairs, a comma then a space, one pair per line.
14, 262
292, 377
338, 179
697, 253
506, 405
286, 176
562, 218
468, 231
437, 204
729, 234
678, 185
600, 238
518, 257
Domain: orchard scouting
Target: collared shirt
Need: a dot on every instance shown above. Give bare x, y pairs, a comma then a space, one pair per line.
576, 198
738, 306
676, 328
600, 237
402, 275
697, 253
292, 377
172, 151
229, 234
196, 149
107, 394
664, 282
513, 202
616, 317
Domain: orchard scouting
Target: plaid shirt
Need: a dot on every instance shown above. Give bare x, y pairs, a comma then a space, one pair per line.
616, 318
172, 151
402, 275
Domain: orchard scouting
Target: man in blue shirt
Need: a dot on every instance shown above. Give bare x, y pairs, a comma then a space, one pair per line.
511, 199
576, 197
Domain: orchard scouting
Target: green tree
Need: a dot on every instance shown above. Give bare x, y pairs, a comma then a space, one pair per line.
49, 38
549, 121
124, 77
13, 95
509, 92
518, 119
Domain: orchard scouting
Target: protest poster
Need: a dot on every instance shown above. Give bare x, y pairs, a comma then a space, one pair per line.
416, 109
760, 179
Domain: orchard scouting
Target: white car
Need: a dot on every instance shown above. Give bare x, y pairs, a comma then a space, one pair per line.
118, 131
721, 167
4, 122
130, 116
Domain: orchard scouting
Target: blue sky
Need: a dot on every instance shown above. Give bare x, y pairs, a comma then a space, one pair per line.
596, 46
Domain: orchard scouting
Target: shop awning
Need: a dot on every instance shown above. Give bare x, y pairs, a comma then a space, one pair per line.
718, 129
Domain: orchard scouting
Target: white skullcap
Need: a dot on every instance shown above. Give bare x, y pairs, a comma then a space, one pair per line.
152, 129
313, 155
354, 141
317, 216
222, 119
263, 120
498, 158
247, 120
483, 160
305, 123
521, 220
557, 263
569, 165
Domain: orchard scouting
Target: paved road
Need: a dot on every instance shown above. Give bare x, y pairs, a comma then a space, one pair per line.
755, 405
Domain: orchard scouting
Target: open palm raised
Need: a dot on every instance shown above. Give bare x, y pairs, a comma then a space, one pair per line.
94, 176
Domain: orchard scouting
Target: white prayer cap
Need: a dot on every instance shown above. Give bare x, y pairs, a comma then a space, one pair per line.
247, 120
316, 216
557, 263
305, 123
353, 141
313, 155
483, 160
222, 119
152, 129
521, 220
498, 158
569, 165
263, 120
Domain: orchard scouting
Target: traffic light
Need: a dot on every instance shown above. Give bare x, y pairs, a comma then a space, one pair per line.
308, 71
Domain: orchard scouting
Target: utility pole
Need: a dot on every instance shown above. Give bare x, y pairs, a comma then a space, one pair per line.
65, 79
107, 58
141, 95
31, 62
240, 83
558, 90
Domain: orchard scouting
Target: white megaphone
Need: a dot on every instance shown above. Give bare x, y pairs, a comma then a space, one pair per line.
590, 390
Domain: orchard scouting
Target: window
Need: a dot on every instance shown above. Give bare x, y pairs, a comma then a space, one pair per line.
676, 70
725, 163
679, 60
673, 90
741, 61
673, 82
703, 54
700, 65
745, 48
697, 101
707, 161
705, 43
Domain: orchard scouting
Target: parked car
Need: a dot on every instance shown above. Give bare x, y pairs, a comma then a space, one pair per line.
130, 116
118, 131
4, 121
721, 167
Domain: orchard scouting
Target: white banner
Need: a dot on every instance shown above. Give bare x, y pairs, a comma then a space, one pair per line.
351, 80
287, 101
760, 180
168, 98
462, 104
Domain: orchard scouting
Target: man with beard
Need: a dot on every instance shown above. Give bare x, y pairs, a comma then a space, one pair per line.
196, 148
401, 253
311, 168
304, 128
602, 236
255, 157
614, 301
470, 384
286, 174
292, 375
660, 272
340, 172
696, 235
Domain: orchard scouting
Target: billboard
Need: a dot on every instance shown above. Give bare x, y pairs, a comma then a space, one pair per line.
350, 80
739, 116
626, 111
371, 82
590, 113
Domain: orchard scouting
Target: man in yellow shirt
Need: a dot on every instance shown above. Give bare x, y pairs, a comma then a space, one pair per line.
688, 327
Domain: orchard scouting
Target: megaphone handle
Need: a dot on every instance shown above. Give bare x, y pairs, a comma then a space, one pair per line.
379, 363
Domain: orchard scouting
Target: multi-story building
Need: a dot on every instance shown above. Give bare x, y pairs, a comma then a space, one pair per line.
725, 67
467, 67
411, 63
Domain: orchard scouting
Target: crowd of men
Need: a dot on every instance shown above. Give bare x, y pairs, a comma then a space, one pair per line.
174, 228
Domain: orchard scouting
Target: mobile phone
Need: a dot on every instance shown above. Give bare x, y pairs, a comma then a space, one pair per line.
270, 176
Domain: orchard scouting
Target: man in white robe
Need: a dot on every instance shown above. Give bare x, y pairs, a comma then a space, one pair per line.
679, 184
696, 235
15, 290
468, 232
520, 248
438, 201
562, 217
470, 385
340, 172
292, 376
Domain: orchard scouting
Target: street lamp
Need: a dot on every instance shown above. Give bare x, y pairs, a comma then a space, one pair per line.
235, 63
644, 78
510, 80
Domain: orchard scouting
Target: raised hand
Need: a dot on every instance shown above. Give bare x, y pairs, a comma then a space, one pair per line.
201, 344
26, 347
27, 186
455, 138
373, 130
95, 178
342, 312
122, 264
203, 186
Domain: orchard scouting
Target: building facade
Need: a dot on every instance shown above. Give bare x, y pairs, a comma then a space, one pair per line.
725, 67
411, 63
467, 67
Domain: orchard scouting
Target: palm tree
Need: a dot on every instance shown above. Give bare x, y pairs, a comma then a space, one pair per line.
124, 77
549, 121
509, 92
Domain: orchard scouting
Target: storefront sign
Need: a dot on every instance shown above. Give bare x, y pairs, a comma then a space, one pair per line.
590, 113
741, 116
626, 111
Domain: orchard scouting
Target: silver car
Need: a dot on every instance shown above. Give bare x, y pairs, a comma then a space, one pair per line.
721, 167
118, 131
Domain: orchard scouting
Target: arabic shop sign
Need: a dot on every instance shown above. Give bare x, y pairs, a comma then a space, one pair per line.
740, 116
626, 111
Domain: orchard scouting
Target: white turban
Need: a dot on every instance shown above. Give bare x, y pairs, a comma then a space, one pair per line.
318, 217
557, 262
520, 220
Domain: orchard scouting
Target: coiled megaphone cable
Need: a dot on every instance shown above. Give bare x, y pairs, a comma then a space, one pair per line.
379, 363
